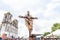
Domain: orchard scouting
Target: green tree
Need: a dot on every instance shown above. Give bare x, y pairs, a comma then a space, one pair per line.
55, 26
46, 33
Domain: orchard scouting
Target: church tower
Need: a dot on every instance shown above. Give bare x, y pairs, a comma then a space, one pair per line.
6, 21
7, 18
15, 23
10, 26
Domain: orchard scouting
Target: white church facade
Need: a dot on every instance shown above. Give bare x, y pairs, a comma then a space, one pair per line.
9, 26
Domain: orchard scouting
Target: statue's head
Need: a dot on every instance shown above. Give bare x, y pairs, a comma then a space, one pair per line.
28, 13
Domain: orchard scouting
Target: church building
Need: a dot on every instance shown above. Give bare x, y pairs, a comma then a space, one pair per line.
9, 26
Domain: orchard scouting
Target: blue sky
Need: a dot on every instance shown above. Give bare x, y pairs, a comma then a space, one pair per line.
48, 12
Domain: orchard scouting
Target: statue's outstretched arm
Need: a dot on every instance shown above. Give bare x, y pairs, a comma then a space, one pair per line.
22, 17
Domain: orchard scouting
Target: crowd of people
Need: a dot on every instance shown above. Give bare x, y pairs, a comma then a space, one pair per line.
4, 37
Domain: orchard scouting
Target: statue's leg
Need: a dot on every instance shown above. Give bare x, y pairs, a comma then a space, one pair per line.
30, 29
30, 32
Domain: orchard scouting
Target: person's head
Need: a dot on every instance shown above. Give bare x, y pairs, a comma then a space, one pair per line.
4, 35
32, 37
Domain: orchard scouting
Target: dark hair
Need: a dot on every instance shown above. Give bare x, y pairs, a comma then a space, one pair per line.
32, 36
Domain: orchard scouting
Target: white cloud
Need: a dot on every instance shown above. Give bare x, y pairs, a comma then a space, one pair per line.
56, 0
19, 4
50, 8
